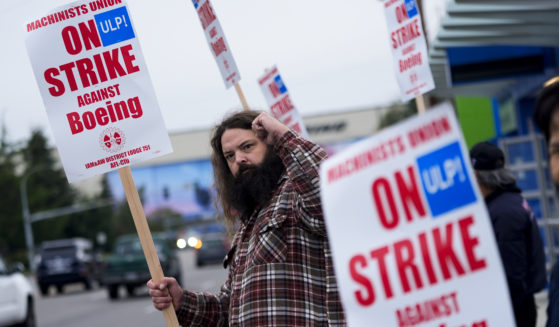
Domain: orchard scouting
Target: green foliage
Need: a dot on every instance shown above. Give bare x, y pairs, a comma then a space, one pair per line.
165, 219
11, 222
47, 187
122, 222
90, 223
398, 113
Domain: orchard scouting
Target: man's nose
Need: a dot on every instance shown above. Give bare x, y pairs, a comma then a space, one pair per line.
240, 158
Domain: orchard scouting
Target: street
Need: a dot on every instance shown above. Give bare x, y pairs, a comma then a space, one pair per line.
80, 308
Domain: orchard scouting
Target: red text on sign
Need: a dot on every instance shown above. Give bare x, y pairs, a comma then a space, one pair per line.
410, 62
57, 17
380, 152
385, 202
406, 33
73, 37
107, 65
102, 4
274, 89
98, 95
213, 32
401, 13
429, 131
131, 108
431, 253
218, 46
410, 48
428, 310
282, 107
206, 14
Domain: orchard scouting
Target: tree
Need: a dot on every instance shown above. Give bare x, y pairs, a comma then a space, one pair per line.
122, 222
164, 220
47, 187
12, 241
90, 223
397, 113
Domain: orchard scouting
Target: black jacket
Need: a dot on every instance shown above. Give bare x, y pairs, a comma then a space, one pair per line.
519, 242
553, 298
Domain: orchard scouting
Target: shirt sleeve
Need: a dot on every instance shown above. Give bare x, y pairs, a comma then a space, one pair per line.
302, 160
205, 309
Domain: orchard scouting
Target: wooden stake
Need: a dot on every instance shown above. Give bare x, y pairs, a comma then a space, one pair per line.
420, 102
144, 234
241, 96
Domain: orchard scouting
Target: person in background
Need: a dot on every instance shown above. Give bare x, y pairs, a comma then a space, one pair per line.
546, 117
280, 263
515, 228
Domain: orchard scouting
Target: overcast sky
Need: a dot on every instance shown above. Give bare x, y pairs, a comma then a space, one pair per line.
332, 55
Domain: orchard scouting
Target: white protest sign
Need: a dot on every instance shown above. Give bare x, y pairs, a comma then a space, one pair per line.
96, 88
411, 238
217, 42
409, 48
281, 106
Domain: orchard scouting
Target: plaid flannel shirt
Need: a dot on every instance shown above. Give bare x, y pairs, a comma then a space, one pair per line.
281, 271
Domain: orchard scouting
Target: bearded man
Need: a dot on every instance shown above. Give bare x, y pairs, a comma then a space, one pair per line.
280, 263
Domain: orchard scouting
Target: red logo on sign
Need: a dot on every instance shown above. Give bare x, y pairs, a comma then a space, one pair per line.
107, 140
112, 139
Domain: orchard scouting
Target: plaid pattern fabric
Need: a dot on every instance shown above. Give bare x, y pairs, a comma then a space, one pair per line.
281, 273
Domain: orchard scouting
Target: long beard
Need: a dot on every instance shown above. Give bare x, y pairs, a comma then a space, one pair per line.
254, 185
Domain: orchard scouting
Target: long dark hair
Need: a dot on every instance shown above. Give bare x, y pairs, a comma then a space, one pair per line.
222, 175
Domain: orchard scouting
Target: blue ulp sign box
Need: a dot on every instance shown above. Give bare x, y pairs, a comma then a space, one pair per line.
114, 26
445, 179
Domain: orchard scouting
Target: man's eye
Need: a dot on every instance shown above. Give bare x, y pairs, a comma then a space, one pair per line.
553, 151
228, 157
247, 146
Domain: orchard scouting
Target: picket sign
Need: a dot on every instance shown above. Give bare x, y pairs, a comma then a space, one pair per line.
219, 47
411, 239
281, 106
409, 48
99, 100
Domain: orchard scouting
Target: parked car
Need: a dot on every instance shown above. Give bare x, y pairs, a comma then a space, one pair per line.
127, 266
67, 261
213, 250
17, 302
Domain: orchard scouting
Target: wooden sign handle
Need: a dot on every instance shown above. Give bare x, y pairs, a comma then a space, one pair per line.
144, 234
241, 96
420, 102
